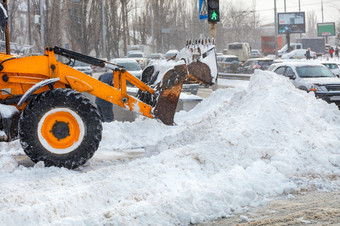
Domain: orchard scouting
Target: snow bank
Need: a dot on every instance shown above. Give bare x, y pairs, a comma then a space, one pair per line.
236, 149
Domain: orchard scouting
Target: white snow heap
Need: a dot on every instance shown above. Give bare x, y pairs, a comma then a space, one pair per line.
237, 148
7, 111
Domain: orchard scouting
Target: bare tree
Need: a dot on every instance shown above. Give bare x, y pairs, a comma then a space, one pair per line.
13, 22
81, 24
311, 22
114, 28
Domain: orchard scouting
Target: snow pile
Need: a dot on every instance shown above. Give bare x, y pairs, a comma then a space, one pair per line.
236, 149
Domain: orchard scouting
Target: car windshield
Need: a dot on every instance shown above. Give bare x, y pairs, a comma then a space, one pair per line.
80, 64
235, 46
134, 55
129, 66
154, 56
170, 54
313, 72
219, 59
248, 63
231, 59
265, 62
331, 66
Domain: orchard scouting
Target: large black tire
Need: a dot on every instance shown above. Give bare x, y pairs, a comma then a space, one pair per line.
60, 127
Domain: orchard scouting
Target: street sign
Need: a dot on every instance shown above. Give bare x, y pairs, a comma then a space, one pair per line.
203, 10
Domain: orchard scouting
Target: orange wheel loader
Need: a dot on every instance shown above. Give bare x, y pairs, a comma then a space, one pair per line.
42, 104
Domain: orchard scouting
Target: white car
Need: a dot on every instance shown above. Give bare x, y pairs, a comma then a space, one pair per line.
83, 67
97, 69
171, 53
139, 57
130, 65
298, 54
255, 53
228, 63
333, 66
311, 77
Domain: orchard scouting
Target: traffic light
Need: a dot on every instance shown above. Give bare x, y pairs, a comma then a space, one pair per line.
213, 11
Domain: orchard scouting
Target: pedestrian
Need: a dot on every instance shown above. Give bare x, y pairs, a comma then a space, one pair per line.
104, 107
331, 52
336, 52
307, 54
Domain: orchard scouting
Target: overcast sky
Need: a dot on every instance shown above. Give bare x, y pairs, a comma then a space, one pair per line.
265, 8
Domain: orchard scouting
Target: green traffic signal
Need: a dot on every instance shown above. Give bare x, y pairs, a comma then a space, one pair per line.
214, 16
213, 11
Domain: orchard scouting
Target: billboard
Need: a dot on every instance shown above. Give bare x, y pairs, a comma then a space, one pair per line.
291, 22
326, 29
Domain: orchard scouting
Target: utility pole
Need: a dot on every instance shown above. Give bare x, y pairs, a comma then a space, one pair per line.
8, 44
300, 11
285, 6
275, 24
323, 18
42, 25
151, 16
29, 21
104, 31
287, 35
322, 10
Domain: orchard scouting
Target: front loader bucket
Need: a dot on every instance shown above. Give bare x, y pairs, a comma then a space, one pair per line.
196, 63
171, 89
200, 72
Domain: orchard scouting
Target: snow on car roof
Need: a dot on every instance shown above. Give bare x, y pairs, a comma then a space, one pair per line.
123, 60
298, 63
172, 51
227, 56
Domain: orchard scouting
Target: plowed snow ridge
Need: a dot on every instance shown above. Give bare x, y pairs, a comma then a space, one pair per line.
236, 149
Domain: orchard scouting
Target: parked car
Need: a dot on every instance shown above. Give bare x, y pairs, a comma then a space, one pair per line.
154, 56
333, 66
170, 54
97, 69
130, 65
298, 54
311, 77
256, 63
292, 46
139, 57
83, 67
228, 63
255, 53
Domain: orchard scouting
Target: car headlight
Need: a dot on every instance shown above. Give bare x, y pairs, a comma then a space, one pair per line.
317, 87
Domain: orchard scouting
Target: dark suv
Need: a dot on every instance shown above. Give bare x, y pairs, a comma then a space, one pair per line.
256, 63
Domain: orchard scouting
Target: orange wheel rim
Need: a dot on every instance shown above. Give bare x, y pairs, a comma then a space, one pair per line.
61, 129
